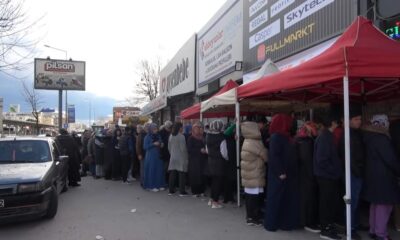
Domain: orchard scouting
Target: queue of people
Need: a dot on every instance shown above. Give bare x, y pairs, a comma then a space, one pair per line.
291, 178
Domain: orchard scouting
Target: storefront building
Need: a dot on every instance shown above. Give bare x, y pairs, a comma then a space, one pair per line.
177, 85
220, 49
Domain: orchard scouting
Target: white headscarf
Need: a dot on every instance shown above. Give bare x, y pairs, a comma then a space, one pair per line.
380, 120
216, 126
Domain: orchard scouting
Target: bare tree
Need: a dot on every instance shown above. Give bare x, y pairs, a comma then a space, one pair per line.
149, 74
34, 100
16, 47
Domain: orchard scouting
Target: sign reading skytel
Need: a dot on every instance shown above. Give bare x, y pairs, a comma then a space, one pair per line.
276, 29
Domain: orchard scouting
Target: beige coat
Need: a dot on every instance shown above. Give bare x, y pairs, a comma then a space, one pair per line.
253, 156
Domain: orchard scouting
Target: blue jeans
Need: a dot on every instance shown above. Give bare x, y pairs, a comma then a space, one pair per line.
356, 186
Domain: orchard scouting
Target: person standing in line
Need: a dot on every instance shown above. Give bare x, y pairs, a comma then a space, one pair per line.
382, 170
217, 155
154, 179
84, 152
328, 171
197, 160
308, 184
178, 164
254, 156
99, 154
395, 135
92, 155
116, 165
165, 156
108, 154
71, 149
133, 171
230, 165
282, 205
140, 151
357, 162
123, 145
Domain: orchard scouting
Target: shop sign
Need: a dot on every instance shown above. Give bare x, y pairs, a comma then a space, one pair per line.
178, 76
220, 46
281, 28
393, 31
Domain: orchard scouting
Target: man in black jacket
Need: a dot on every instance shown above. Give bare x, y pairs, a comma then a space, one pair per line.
357, 163
328, 173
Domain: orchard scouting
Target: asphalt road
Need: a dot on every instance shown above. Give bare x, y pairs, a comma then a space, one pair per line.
116, 211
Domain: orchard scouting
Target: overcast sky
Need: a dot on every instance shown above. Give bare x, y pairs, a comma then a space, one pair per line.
113, 36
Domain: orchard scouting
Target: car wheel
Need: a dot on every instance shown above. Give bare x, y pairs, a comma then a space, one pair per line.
65, 186
53, 204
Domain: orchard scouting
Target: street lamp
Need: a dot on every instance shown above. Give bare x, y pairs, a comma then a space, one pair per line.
66, 92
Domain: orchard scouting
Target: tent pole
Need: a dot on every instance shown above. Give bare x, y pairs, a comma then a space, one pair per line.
201, 116
237, 114
347, 197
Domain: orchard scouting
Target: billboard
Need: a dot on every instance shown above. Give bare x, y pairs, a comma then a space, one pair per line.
178, 76
54, 74
71, 113
221, 44
121, 112
277, 29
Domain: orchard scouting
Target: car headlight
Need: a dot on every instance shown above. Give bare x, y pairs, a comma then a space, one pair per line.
29, 187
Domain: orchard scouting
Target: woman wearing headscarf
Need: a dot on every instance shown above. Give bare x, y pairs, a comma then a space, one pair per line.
178, 163
154, 178
217, 155
254, 156
116, 165
381, 187
99, 154
308, 184
108, 154
282, 210
197, 160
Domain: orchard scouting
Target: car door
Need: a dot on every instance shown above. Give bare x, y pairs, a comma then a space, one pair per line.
61, 167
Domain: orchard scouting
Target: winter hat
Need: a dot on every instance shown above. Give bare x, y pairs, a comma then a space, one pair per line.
380, 120
355, 111
216, 126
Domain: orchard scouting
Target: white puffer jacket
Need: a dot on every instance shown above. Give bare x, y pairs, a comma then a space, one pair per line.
253, 156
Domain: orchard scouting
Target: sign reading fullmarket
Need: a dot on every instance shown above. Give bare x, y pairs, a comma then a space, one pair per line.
59, 74
276, 29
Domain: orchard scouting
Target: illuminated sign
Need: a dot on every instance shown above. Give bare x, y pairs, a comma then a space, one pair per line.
394, 31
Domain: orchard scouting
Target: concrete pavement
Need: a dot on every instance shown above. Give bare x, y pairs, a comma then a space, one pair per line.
104, 208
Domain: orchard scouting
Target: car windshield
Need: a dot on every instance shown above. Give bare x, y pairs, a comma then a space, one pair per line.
22, 151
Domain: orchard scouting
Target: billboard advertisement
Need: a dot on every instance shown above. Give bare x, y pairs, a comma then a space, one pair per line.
54, 74
221, 45
178, 76
71, 113
121, 112
277, 29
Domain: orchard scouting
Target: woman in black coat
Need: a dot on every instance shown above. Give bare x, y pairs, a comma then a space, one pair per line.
382, 170
282, 205
197, 160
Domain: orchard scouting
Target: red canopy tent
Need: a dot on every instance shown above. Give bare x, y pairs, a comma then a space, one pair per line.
193, 112
363, 53
363, 64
